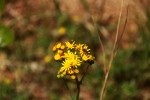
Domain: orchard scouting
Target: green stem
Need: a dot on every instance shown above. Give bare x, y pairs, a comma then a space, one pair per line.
79, 82
78, 88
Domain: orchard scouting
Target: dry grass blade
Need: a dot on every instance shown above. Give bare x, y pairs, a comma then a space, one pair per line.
126, 19
101, 43
112, 54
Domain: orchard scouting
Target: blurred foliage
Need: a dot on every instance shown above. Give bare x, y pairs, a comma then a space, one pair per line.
2, 3
130, 71
6, 36
8, 92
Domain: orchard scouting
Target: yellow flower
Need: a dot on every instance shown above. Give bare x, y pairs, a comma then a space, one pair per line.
62, 30
69, 45
64, 69
62, 47
70, 64
58, 45
91, 57
82, 48
57, 56
71, 56
85, 57
60, 51
70, 72
73, 76
76, 71
54, 48
85, 47
78, 46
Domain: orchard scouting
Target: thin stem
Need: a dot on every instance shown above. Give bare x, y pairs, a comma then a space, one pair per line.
79, 82
124, 27
112, 55
101, 43
84, 74
106, 77
78, 88
118, 25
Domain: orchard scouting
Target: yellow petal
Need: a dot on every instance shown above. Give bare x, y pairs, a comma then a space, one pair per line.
54, 48
70, 72
60, 51
85, 58
58, 76
57, 57
73, 76
62, 47
76, 71
58, 45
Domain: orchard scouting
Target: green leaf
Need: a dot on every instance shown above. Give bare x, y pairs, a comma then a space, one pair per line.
6, 36
2, 2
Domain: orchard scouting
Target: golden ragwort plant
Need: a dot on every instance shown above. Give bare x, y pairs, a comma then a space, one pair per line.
71, 55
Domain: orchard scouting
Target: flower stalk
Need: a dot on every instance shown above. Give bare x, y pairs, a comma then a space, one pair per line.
71, 56
78, 88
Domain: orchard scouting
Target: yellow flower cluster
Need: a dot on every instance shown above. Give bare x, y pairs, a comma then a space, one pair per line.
71, 55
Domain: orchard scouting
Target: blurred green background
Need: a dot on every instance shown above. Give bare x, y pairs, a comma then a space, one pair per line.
29, 29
